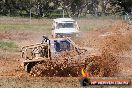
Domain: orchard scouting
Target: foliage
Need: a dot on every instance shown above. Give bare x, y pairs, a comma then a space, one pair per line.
42, 8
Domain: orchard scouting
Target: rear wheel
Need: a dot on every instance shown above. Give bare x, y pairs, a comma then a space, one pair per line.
41, 69
28, 67
36, 70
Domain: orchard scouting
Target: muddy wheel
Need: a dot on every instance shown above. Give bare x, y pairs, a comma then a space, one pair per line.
42, 69
28, 66
36, 70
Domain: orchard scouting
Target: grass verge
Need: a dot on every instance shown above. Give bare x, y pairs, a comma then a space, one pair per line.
8, 45
23, 27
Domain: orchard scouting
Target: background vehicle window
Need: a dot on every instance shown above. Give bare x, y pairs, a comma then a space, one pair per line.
65, 25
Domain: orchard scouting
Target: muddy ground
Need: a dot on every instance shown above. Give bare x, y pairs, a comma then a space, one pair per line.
115, 39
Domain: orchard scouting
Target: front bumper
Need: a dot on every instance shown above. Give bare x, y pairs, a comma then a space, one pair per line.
62, 35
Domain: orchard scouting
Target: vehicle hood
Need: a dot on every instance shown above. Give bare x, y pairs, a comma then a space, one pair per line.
66, 30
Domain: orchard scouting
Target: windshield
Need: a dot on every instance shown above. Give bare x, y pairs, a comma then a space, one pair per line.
65, 25
62, 45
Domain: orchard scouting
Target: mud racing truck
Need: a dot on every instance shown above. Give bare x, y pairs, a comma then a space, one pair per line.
62, 57
64, 27
51, 55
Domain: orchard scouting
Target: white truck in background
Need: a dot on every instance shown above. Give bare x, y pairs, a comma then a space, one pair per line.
64, 27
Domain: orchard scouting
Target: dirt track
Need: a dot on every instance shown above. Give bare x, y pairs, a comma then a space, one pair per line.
116, 40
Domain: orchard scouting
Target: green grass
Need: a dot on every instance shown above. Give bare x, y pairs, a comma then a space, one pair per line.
18, 24
7, 45
85, 28
23, 27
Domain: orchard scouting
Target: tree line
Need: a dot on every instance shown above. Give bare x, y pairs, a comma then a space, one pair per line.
77, 8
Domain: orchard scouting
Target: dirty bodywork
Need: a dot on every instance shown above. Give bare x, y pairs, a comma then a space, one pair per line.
50, 54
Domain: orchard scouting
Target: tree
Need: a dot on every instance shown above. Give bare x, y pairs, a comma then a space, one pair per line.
43, 8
